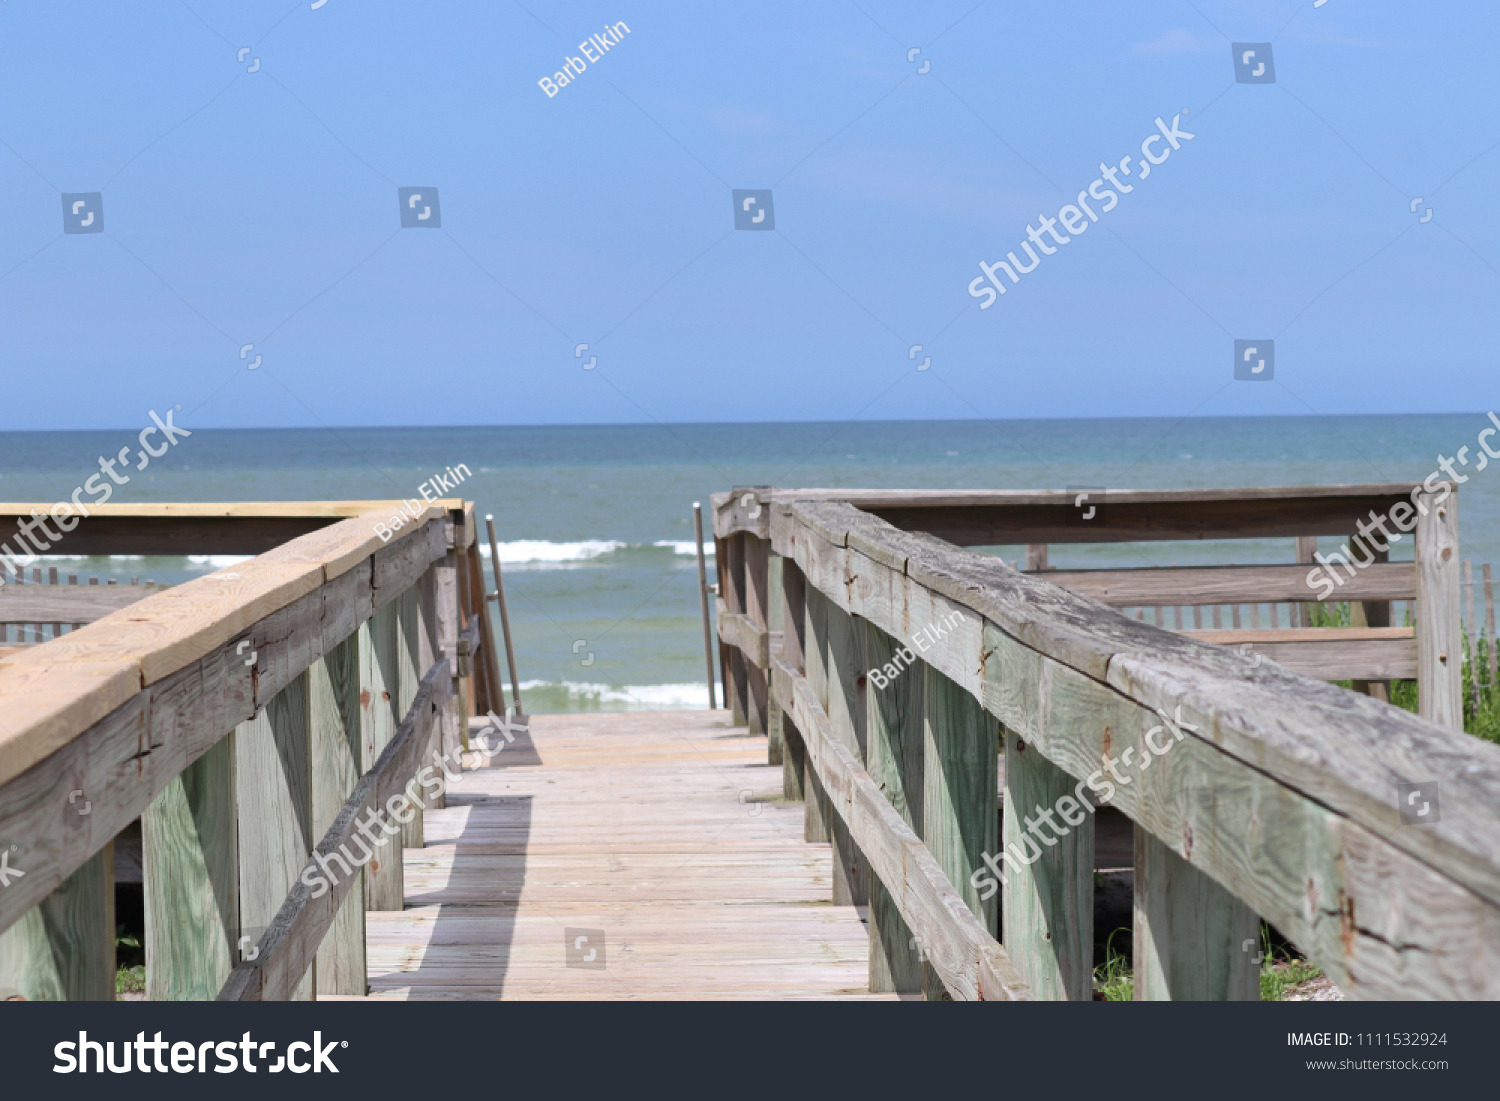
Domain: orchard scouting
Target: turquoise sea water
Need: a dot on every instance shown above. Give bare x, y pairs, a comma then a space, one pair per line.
596, 521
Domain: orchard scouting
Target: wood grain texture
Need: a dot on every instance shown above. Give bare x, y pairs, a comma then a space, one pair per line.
959, 947
333, 689
1274, 720
1004, 518
1329, 653
960, 787
742, 511
1194, 941
408, 677
737, 630
289, 947
274, 794
1439, 618
63, 950
190, 844
1200, 585
1048, 903
46, 705
633, 825
379, 678
894, 724
272, 606
177, 626
1285, 791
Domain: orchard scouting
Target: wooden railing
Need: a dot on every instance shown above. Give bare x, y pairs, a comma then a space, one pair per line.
246, 719
1255, 792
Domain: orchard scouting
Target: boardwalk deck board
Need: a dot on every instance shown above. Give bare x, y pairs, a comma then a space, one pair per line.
634, 825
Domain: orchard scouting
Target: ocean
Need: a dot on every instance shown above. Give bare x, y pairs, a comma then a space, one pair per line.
595, 522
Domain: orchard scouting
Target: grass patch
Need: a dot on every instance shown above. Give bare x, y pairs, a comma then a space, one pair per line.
1481, 695
130, 980
1281, 971
131, 958
1113, 978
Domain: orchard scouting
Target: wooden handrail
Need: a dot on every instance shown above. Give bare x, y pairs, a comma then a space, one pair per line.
118, 711
1301, 777
1281, 797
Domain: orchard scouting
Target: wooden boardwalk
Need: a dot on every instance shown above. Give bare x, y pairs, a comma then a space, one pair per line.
664, 832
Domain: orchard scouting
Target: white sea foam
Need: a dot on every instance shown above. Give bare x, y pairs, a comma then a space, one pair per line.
541, 553
683, 546
626, 697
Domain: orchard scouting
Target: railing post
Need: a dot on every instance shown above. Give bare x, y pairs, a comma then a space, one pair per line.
960, 797
333, 691
429, 652
1048, 893
846, 712
190, 879
385, 887
273, 799
756, 552
1372, 613
793, 627
776, 626
815, 657
409, 675
731, 553
447, 585
1194, 941
63, 950
1439, 626
894, 731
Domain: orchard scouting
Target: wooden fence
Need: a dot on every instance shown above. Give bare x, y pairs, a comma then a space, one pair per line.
245, 720
1255, 791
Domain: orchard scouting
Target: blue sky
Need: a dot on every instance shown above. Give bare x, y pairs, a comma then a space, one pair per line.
261, 208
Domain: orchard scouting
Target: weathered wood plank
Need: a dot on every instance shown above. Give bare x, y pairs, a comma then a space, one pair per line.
1290, 766
1440, 695
894, 731
63, 950
743, 510
189, 842
1194, 941
1275, 720
408, 676
960, 789
1203, 585
1048, 890
379, 684
337, 749
737, 630
1329, 653
970, 963
1238, 825
273, 787
289, 946
1004, 518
